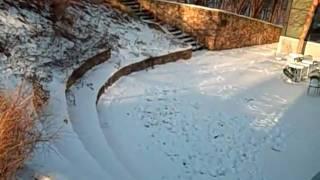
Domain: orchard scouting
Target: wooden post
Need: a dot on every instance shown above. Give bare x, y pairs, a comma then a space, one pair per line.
306, 27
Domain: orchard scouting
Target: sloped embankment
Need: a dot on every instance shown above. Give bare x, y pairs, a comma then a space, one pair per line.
83, 114
58, 55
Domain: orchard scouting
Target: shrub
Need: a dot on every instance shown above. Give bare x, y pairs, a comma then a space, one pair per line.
18, 131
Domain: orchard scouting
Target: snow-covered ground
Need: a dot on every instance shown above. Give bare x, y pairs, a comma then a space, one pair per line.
51, 52
32, 45
224, 115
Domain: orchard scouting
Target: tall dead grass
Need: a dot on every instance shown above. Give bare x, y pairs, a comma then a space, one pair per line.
18, 131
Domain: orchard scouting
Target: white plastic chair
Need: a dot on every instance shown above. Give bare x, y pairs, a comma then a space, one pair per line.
314, 84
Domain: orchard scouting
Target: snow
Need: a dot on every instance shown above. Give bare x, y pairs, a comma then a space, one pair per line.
222, 115
51, 57
34, 46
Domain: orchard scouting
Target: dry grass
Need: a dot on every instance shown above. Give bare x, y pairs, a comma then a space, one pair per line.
18, 131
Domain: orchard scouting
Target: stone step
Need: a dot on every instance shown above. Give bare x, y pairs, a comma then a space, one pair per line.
172, 29
197, 48
160, 22
187, 39
135, 7
131, 3
127, 0
147, 17
193, 44
192, 41
140, 9
177, 33
146, 11
183, 36
144, 14
136, 11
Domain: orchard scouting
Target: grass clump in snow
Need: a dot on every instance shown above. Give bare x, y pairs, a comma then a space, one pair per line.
19, 131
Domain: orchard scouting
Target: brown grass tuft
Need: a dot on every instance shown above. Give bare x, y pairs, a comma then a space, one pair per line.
18, 132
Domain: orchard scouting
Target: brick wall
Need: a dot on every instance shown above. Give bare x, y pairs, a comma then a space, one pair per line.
216, 29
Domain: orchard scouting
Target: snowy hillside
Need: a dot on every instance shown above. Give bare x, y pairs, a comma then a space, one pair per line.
30, 43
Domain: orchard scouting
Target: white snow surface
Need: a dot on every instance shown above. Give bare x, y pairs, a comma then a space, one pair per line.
39, 51
32, 45
225, 115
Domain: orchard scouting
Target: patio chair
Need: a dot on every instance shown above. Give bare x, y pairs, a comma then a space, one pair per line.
314, 84
298, 68
291, 73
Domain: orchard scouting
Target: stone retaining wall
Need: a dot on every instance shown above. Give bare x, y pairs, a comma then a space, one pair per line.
147, 63
216, 29
86, 66
41, 95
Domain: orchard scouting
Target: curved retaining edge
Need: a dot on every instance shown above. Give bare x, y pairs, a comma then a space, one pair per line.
142, 65
104, 56
41, 98
91, 134
86, 66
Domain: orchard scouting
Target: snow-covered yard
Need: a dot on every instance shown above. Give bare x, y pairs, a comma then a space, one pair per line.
224, 115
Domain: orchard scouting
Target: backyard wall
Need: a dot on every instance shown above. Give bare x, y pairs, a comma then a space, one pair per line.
297, 15
289, 45
216, 29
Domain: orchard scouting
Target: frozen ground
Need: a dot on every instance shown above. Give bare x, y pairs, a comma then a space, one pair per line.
31, 45
224, 115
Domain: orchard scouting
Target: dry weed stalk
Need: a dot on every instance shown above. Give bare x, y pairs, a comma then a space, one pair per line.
18, 131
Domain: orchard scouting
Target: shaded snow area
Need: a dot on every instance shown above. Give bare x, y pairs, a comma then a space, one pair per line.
224, 115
